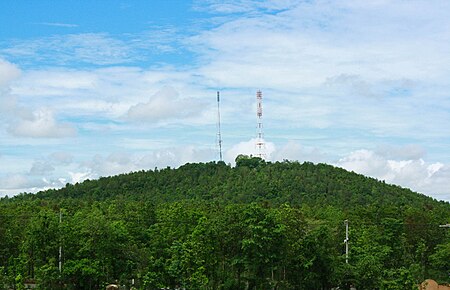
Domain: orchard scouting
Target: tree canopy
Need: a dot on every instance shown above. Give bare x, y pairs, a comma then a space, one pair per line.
258, 225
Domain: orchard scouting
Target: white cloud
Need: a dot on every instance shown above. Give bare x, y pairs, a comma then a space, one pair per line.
407, 152
46, 166
57, 24
41, 125
23, 175
352, 84
20, 119
106, 93
125, 162
417, 174
363, 52
41, 168
101, 49
365, 162
249, 148
115, 163
295, 151
240, 6
8, 105
77, 177
61, 158
303, 44
176, 156
166, 104
19, 183
95, 48
8, 73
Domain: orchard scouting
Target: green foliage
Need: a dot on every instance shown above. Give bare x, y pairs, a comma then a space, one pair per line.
440, 259
258, 225
249, 161
398, 279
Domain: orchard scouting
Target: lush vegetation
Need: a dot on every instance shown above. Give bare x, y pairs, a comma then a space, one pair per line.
257, 225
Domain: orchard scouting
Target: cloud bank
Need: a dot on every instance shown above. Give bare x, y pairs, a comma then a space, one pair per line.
416, 174
166, 104
347, 83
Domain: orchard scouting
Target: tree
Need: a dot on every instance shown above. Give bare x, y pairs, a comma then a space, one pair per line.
248, 161
441, 261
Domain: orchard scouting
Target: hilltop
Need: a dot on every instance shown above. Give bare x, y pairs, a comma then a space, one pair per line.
252, 179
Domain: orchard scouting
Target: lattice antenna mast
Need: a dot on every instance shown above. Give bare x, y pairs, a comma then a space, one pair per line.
219, 135
260, 144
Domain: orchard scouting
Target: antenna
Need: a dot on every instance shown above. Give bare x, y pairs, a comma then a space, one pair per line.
219, 136
260, 144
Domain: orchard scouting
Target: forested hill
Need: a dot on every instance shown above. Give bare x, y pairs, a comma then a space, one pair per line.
252, 180
258, 225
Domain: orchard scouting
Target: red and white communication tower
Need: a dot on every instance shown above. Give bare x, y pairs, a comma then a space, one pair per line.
260, 144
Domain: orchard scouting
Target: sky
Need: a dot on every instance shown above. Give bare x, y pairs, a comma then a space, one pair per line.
98, 88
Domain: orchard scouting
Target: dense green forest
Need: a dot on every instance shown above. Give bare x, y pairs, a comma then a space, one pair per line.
258, 225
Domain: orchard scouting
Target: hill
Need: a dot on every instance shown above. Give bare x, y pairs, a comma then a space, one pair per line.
257, 225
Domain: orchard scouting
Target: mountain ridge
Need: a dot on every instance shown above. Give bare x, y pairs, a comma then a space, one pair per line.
300, 178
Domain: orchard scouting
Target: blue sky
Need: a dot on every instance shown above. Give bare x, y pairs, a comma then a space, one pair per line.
96, 88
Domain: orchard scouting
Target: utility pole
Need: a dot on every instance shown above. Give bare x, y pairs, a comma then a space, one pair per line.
346, 241
60, 243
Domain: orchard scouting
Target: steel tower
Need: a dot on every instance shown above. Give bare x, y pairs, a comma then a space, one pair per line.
260, 144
